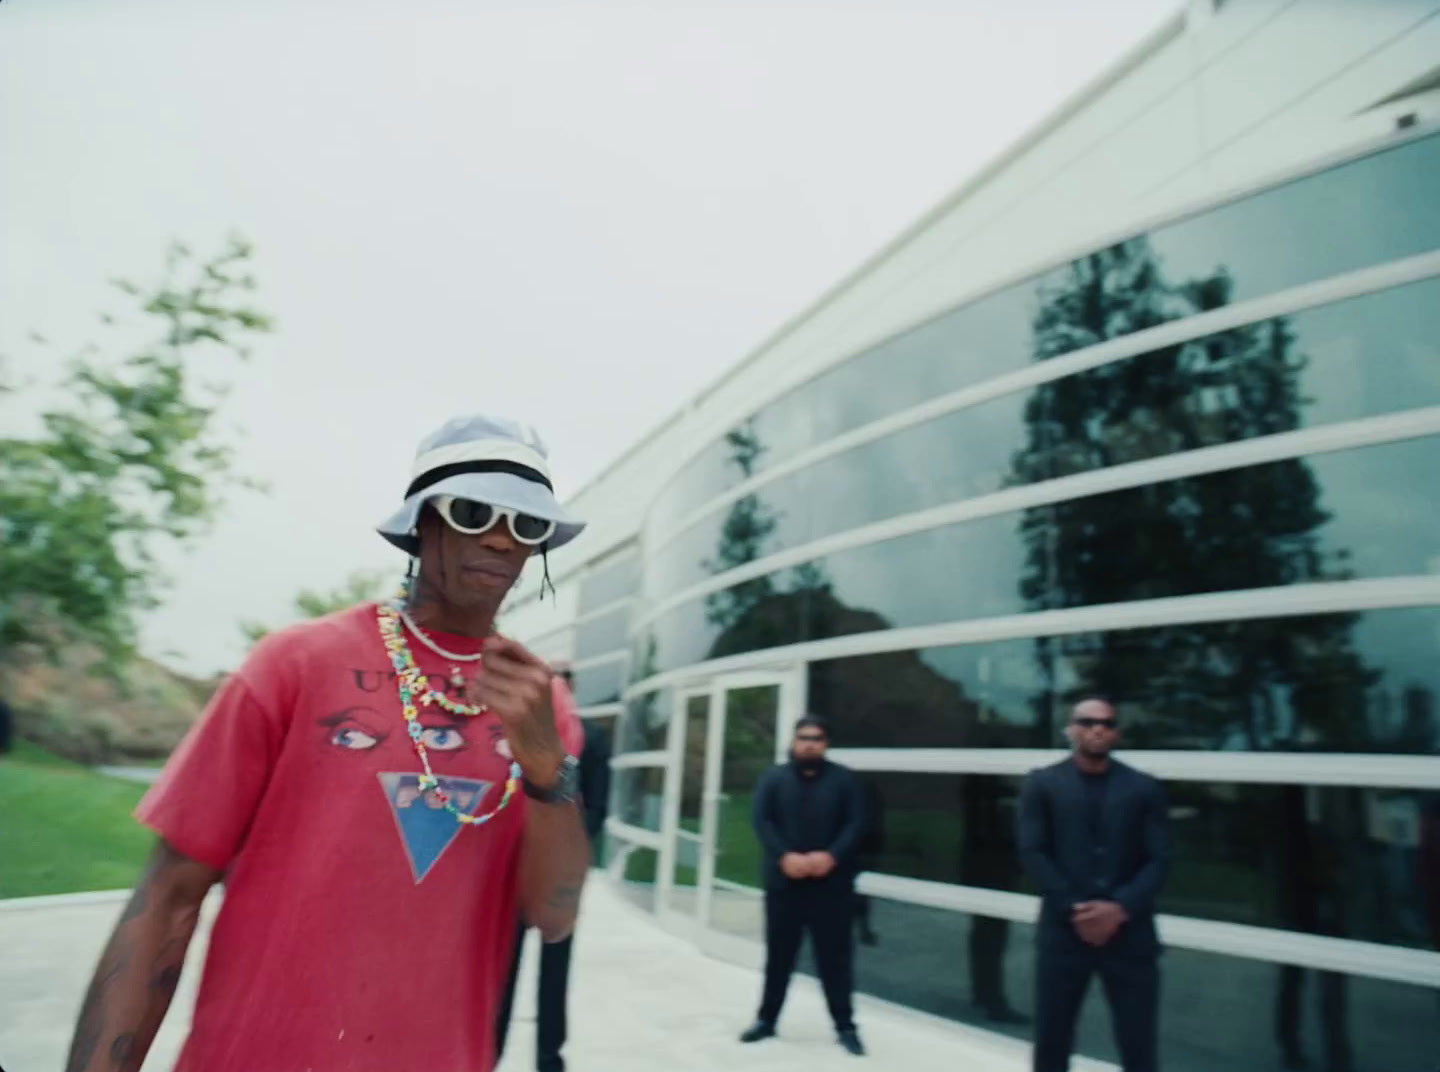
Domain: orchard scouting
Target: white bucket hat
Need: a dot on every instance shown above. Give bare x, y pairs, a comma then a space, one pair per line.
486, 459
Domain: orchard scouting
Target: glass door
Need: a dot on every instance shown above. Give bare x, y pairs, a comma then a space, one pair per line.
747, 747
688, 840
725, 734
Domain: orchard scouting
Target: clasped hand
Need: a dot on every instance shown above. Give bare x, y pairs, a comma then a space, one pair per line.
1098, 921
802, 865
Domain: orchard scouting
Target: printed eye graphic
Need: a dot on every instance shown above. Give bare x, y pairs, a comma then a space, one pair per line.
442, 738
353, 738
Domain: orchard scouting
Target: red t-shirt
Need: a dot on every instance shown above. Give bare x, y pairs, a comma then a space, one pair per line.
362, 928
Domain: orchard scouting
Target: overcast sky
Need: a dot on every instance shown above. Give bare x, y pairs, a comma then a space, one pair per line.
576, 214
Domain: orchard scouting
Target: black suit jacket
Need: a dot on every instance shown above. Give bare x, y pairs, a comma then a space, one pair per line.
838, 815
1126, 862
595, 778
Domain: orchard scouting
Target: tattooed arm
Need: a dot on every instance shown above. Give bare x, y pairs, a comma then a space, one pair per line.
554, 859
555, 855
140, 968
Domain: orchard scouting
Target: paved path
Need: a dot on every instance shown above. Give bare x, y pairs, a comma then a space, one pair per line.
147, 775
641, 1001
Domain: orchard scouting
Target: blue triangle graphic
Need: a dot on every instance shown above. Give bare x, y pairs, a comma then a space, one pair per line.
426, 828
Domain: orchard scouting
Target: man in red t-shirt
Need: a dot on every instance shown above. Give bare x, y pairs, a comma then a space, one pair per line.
381, 792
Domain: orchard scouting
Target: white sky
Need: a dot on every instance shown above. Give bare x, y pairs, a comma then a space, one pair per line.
575, 214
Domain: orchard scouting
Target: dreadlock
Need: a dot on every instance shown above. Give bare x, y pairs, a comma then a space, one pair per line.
545, 562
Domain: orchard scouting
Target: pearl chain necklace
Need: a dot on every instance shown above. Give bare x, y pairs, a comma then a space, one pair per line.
425, 639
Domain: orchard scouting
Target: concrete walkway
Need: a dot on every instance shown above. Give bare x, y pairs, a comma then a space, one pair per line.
641, 1001
144, 775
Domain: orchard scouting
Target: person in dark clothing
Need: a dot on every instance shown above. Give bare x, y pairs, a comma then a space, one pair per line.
1093, 836
809, 816
551, 1021
872, 845
7, 727
987, 860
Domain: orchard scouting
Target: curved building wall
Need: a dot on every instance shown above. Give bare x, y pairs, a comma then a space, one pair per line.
1195, 469
1191, 464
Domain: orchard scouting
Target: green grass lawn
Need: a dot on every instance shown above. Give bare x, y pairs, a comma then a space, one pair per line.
64, 829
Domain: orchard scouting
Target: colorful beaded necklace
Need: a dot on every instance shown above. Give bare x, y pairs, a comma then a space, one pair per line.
411, 683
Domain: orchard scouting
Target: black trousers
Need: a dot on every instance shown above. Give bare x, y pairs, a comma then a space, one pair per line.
828, 913
1132, 989
550, 1008
988, 936
1289, 1016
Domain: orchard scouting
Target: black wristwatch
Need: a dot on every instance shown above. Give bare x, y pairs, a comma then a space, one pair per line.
565, 789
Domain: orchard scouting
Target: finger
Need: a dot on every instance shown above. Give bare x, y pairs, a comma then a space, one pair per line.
503, 697
505, 663
514, 678
509, 681
519, 675
505, 648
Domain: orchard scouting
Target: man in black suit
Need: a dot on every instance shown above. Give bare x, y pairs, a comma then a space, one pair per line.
809, 816
1093, 836
551, 1025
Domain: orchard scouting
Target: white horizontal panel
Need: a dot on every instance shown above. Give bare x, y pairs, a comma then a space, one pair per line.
1393, 963
639, 759
1259, 768
635, 835
601, 710
1371, 431
1327, 291
1289, 601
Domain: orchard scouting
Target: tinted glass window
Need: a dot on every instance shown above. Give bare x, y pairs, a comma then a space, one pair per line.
599, 684
1370, 512
1216, 1012
1318, 859
1359, 358
639, 796
646, 723
601, 635
1333, 683
609, 583
1282, 237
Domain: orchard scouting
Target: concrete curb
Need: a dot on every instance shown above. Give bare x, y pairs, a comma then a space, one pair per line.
64, 900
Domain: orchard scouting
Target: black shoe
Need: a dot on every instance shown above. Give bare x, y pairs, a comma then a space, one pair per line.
759, 1031
850, 1040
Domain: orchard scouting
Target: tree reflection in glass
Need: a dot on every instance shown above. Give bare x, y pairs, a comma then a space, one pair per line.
1219, 679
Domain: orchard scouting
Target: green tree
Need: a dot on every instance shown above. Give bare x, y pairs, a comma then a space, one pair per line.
360, 587
749, 523
1250, 528
130, 459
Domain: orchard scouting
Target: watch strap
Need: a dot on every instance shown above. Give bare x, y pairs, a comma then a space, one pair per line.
566, 788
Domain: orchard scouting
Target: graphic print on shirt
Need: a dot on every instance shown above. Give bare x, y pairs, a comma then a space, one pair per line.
426, 828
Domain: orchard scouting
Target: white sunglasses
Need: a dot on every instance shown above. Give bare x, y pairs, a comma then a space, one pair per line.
473, 518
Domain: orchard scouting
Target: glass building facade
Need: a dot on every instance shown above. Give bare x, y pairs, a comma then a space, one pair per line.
1196, 469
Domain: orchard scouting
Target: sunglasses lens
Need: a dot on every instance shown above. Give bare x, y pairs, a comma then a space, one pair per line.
469, 514
530, 529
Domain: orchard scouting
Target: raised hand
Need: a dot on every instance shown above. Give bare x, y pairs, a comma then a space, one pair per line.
517, 687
